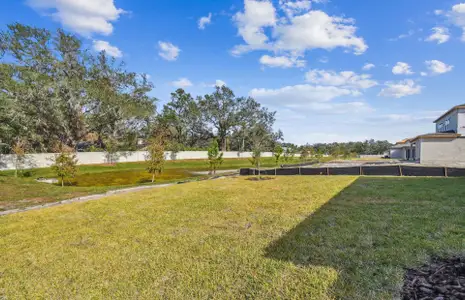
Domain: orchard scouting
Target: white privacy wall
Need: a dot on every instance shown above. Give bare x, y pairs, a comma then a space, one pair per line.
43, 160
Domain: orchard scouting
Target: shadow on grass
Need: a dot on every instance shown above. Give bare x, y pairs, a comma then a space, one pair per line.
374, 229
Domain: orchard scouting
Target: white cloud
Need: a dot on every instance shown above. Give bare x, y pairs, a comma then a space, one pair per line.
220, 83
439, 35
400, 89
309, 97
168, 51
281, 61
85, 17
403, 36
402, 68
182, 83
292, 8
437, 67
324, 60
109, 49
316, 29
456, 16
295, 32
368, 67
423, 74
204, 21
346, 79
250, 23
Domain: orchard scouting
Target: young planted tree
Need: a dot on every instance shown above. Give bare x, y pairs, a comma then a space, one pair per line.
215, 157
19, 149
155, 156
259, 138
278, 153
65, 165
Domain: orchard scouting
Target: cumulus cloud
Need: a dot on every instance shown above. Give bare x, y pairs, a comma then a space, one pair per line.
400, 89
281, 61
182, 83
440, 35
109, 49
368, 67
456, 16
168, 51
346, 79
204, 21
295, 32
250, 22
220, 83
292, 8
311, 98
437, 67
85, 17
402, 68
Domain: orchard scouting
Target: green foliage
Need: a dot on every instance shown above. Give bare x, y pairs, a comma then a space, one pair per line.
278, 153
65, 166
289, 153
155, 156
52, 90
215, 157
305, 153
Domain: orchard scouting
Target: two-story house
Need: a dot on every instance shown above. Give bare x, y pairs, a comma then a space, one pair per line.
445, 147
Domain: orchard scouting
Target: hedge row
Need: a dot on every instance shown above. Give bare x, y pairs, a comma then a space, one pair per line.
363, 170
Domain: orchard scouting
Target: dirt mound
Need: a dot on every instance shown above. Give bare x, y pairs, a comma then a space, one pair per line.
442, 279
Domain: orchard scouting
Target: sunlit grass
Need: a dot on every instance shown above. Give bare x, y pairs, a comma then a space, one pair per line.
290, 237
26, 191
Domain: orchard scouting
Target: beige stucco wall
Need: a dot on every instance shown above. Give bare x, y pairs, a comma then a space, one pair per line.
442, 152
43, 160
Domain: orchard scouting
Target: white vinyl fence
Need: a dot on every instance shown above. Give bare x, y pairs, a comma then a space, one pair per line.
43, 160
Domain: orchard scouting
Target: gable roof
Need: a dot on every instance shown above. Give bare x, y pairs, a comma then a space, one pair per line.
437, 135
449, 111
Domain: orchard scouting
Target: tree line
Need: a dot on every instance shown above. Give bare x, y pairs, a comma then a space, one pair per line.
367, 147
53, 92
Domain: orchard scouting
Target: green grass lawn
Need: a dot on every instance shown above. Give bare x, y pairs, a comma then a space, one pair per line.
291, 237
26, 191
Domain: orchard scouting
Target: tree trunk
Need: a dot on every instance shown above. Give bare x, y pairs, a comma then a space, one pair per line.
153, 177
62, 181
258, 167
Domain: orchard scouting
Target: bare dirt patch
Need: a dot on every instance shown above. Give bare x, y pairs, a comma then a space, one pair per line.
442, 279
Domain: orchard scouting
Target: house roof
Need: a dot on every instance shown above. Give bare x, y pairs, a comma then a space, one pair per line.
404, 141
437, 136
449, 111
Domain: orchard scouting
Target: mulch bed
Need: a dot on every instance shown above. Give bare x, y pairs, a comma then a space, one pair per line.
442, 279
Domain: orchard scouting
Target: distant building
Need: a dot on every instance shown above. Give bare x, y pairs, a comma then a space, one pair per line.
444, 147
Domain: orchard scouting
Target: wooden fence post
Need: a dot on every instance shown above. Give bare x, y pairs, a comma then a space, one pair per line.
327, 171
445, 172
400, 170
300, 172
361, 171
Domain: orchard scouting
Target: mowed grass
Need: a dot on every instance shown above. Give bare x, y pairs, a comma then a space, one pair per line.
26, 191
291, 237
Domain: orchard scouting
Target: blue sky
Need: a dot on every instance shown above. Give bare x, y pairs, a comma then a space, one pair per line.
334, 70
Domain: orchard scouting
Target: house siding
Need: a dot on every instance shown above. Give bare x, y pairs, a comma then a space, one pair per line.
442, 152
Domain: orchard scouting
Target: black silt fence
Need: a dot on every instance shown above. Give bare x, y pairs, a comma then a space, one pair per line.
423, 171
246, 172
290, 171
361, 170
267, 172
314, 171
344, 171
455, 172
381, 171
